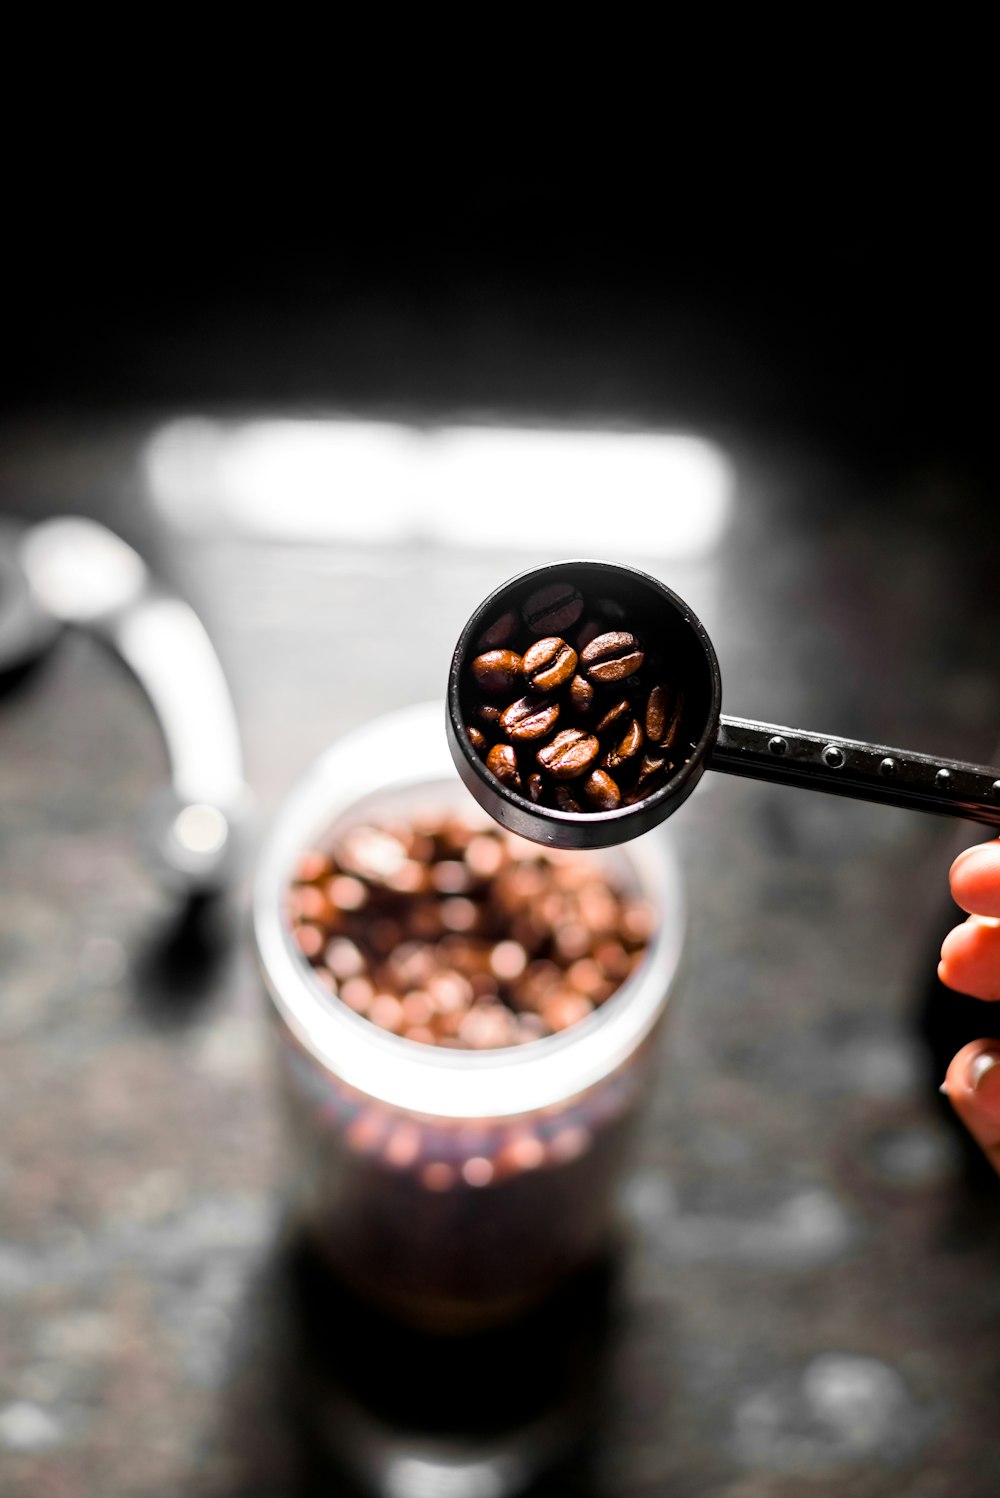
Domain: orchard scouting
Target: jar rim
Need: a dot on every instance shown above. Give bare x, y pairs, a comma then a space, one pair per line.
432, 1080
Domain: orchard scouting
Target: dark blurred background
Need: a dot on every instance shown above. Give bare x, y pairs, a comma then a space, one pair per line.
809, 1301
834, 281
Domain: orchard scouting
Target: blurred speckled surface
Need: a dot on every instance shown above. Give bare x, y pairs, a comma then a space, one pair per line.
808, 1302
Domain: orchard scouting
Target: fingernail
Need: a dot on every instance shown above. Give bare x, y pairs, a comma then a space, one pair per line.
980, 1065
943, 1089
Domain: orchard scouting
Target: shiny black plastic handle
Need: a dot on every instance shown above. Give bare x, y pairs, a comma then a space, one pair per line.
846, 767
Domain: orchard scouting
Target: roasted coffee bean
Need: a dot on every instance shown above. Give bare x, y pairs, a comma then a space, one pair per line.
477, 739
653, 772
508, 960
581, 695
612, 656
346, 892
565, 1008
357, 993
450, 877
613, 960
497, 671
371, 853
485, 856
626, 748
502, 762
586, 977
536, 786
313, 865
529, 718
650, 767
486, 1027
309, 938
663, 717
601, 791
459, 914
588, 632
672, 731
549, 664
539, 978
500, 632
489, 712
386, 1011
613, 715
656, 719
344, 959
312, 904
565, 800
552, 609
569, 754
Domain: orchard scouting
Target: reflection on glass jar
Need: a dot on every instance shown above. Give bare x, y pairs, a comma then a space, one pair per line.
452, 1186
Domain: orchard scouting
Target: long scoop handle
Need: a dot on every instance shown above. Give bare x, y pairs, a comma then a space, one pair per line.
847, 767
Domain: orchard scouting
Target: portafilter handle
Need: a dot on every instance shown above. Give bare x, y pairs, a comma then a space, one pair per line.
83, 574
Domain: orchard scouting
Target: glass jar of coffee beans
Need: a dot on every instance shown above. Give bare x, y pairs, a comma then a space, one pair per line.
464, 1022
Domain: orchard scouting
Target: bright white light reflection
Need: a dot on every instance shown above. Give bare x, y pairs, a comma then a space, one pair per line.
201, 829
415, 1477
367, 482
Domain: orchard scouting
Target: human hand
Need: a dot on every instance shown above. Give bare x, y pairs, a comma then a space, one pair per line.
970, 963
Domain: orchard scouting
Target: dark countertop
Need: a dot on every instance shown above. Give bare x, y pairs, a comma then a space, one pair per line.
808, 1301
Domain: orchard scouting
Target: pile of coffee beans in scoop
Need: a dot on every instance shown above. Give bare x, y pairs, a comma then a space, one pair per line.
454, 933
569, 707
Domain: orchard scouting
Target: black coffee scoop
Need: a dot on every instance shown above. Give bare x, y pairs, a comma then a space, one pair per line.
629, 600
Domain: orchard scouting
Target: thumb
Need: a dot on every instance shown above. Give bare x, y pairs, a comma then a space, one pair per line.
973, 1089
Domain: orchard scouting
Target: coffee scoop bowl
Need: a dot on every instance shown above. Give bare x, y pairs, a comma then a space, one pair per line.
628, 599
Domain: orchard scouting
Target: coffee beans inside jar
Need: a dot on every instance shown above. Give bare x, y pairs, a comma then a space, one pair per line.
452, 933
568, 705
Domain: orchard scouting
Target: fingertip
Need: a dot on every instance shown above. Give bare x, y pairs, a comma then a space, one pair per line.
955, 944
972, 1087
955, 952
973, 1079
974, 878
970, 958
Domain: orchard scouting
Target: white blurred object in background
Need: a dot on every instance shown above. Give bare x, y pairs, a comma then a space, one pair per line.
564, 491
